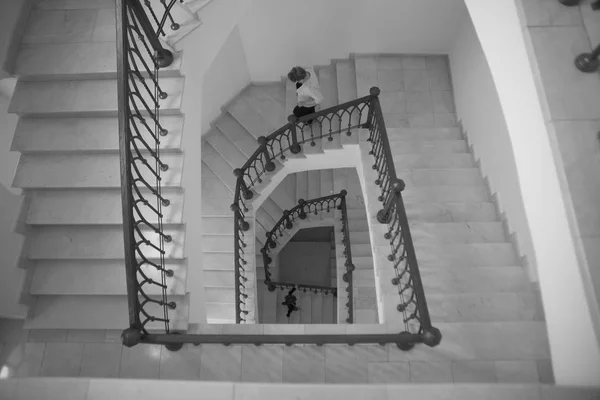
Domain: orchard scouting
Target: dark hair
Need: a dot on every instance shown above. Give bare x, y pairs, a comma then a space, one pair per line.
297, 74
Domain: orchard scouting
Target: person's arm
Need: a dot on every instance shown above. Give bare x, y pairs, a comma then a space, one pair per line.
292, 291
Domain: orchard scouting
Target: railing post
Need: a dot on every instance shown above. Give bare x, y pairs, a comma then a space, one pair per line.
131, 336
295, 148
269, 165
248, 194
302, 214
288, 221
396, 186
164, 57
588, 62
374, 92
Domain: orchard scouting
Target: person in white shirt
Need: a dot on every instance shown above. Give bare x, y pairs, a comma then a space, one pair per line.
308, 91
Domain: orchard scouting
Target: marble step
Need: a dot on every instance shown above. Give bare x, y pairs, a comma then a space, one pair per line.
340, 179
73, 98
447, 177
383, 371
272, 209
224, 243
326, 181
431, 148
425, 134
346, 86
328, 82
196, 5
443, 193
444, 160
476, 279
94, 207
217, 261
249, 118
217, 225
457, 232
74, 5
465, 255
95, 134
95, 242
219, 166
52, 171
305, 304
95, 60
314, 184
317, 308
220, 311
219, 278
362, 262
359, 236
98, 312
358, 225
237, 134
269, 308
270, 109
302, 185
452, 212
281, 197
329, 305
92, 278
226, 148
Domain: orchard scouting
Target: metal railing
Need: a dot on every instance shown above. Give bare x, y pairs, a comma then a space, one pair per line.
303, 288
140, 56
586, 62
301, 211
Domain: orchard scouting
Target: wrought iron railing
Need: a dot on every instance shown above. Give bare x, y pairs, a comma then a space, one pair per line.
140, 56
303, 288
345, 118
586, 62
301, 212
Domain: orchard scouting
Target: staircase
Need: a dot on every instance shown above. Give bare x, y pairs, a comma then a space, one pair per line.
478, 294
69, 167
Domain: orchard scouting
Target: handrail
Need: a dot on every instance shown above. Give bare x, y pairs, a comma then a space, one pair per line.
364, 112
139, 58
301, 211
304, 288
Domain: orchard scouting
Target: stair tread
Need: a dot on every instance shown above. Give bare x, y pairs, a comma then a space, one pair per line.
326, 181
95, 134
237, 134
314, 184
95, 242
270, 109
328, 84
71, 98
94, 59
86, 171
89, 206
247, 116
89, 278
96, 312
219, 166
226, 148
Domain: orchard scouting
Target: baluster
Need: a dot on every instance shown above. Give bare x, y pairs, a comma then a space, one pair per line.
302, 214
384, 216
295, 148
288, 221
270, 165
588, 62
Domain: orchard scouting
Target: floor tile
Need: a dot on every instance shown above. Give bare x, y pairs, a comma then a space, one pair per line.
221, 363
22, 360
113, 336
303, 364
387, 63
140, 362
262, 363
430, 371
62, 359
47, 335
309, 392
86, 335
11, 331
570, 393
182, 364
519, 371
101, 360
473, 371
397, 120
440, 62
425, 120
389, 80
393, 102
419, 102
343, 365
415, 79
105, 29
413, 62
60, 389
439, 79
443, 102
389, 372
444, 120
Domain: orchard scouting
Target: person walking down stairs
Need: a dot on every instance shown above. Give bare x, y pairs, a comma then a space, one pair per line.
290, 302
308, 91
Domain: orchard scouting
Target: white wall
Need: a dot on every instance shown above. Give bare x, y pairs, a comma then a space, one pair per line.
11, 276
225, 78
574, 347
278, 34
479, 109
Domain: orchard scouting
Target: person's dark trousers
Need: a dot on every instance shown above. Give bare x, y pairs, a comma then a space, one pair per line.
290, 309
302, 111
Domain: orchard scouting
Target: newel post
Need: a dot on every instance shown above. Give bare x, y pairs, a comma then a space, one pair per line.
239, 174
269, 164
374, 92
295, 147
302, 214
384, 215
